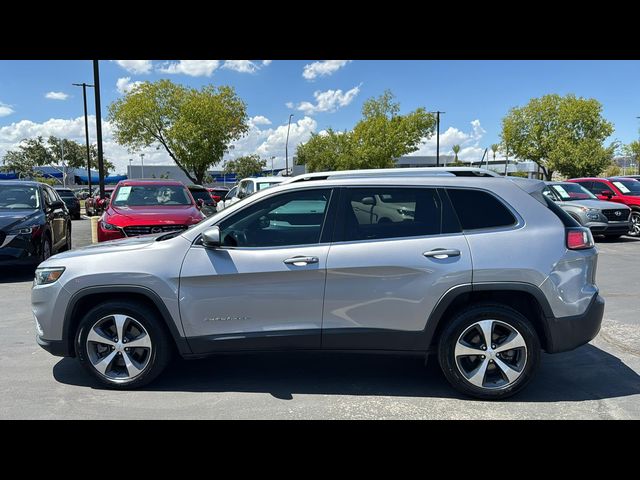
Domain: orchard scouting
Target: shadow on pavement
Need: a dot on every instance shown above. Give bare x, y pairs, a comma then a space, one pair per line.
587, 373
623, 239
16, 274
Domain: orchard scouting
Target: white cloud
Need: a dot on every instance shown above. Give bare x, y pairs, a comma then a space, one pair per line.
136, 66
329, 101
289, 105
242, 66
5, 110
56, 95
320, 69
260, 120
266, 63
193, 68
270, 142
125, 85
470, 143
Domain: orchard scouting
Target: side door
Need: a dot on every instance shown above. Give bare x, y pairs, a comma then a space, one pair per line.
56, 217
263, 288
386, 271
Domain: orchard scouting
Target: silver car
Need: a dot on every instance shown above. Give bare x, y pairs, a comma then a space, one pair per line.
610, 219
485, 273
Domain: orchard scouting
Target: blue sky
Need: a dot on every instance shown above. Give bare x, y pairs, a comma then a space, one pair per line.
474, 94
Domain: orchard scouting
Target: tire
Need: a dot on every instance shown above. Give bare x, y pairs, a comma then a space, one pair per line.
145, 363
45, 251
67, 245
461, 368
635, 224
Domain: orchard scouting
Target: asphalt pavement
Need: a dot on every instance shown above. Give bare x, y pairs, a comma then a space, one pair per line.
596, 381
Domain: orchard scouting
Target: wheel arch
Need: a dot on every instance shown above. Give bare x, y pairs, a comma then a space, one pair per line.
83, 300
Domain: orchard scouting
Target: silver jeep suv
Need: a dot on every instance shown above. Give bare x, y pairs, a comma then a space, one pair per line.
484, 272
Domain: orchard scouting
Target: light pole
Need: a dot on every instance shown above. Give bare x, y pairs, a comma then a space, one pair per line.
286, 149
142, 161
130, 171
438, 112
272, 158
86, 129
96, 82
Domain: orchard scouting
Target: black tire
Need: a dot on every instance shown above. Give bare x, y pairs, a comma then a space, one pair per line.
67, 245
161, 351
45, 250
465, 319
634, 218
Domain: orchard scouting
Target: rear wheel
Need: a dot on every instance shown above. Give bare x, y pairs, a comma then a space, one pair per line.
123, 344
489, 351
45, 251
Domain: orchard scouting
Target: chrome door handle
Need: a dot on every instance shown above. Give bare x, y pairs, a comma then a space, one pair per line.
301, 261
442, 253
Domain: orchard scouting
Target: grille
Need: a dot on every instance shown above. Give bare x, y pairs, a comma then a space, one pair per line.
132, 231
612, 217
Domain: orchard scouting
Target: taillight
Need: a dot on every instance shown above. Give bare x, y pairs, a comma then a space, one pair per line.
579, 238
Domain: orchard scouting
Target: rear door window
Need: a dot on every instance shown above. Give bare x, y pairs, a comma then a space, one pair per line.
477, 209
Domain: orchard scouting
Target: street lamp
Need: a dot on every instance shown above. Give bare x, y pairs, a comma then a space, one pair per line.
286, 149
142, 161
86, 129
438, 112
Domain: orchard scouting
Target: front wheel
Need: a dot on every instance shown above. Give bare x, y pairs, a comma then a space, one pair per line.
634, 231
122, 344
489, 351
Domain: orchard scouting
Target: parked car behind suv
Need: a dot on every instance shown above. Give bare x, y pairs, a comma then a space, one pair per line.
249, 186
620, 190
34, 223
295, 267
71, 201
140, 207
203, 198
95, 205
602, 218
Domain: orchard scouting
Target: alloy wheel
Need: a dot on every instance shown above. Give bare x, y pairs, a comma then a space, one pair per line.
635, 224
119, 347
491, 354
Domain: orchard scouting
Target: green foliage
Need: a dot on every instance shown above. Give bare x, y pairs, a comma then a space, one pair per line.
633, 150
456, 150
247, 166
494, 148
611, 171
457, 163
519, 174
379, 137
34, 152
195, 127
560, 133
48, 181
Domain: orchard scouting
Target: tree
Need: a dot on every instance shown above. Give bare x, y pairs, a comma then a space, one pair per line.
34, 152
560, 133
376, 140
633, 150
494, 148
456, 150
195, 127
612, 170
246, 166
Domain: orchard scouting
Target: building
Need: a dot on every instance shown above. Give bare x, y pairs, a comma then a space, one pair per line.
217, 177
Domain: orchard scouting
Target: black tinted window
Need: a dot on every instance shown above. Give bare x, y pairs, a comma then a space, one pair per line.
478, 209
294, 218
377, 213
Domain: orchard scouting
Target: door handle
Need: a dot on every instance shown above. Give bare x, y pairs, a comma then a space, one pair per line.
441, 253
301, 261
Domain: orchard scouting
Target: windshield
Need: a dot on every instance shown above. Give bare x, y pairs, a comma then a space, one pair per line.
572, 191
263, 185
627, 187
150, 196
14, 197
66, 193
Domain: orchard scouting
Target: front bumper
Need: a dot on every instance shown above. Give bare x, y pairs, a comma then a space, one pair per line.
610, 228
59, 348
21, 250
567, 333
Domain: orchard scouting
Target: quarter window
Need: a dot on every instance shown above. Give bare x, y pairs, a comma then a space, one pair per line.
294, 218
477, 209
379, 213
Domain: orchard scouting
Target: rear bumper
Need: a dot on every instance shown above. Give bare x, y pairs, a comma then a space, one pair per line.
567, 333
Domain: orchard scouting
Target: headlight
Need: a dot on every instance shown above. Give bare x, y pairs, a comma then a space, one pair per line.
593, 213
24, 230
108, 226
45, 276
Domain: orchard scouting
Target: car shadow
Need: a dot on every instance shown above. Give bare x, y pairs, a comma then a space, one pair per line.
16, 274
587, 373
623, 239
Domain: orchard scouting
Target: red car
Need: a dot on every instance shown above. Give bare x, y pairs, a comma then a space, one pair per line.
217, 193
94, 206
623, 190
139, 207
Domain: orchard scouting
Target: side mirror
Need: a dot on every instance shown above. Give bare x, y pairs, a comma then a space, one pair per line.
57, 204
241, 195
607, 193
211, 237
200, 203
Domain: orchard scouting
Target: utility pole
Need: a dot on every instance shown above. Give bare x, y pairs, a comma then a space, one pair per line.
438, 112
142, 161
96, 82
286, 149
86, 129
506, 161
64, 169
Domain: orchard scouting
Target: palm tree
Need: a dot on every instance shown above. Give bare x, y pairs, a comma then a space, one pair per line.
456, 149
495, 148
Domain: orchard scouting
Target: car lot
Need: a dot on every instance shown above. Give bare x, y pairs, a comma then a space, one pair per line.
598, 380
